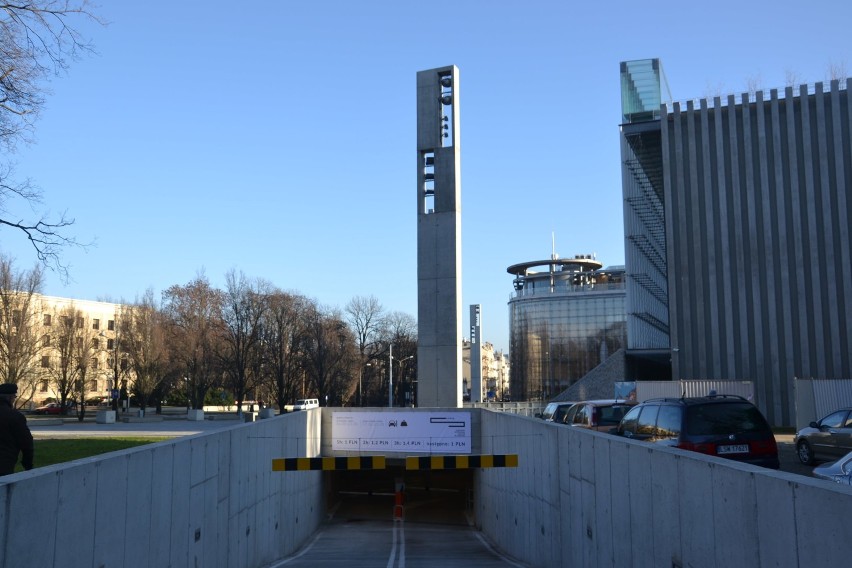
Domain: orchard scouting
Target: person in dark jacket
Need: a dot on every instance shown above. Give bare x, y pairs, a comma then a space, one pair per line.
15, 436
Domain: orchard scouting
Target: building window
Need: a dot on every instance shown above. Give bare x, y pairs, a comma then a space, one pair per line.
93, 363
42, 386
45, 340
79, 342
124, 364
45, 362
111, 325
96, 344
46, 320
80, 322
96, 324
110, 343
93, 385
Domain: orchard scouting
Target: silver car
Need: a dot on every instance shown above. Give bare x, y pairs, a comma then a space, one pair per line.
839, 471
555, 411
827, 439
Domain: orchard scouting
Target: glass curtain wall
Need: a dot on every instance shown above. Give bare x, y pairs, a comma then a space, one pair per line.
557, 337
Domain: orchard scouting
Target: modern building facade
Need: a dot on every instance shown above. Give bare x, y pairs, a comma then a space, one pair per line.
565, 318
439, 315
643, 88
737, 234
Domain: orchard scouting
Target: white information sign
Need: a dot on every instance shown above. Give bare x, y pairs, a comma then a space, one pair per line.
407, 432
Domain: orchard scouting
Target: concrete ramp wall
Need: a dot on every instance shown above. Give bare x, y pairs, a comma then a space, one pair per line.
582, 498
204, 501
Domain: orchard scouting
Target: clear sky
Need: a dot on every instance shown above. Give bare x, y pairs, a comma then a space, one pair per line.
277, 138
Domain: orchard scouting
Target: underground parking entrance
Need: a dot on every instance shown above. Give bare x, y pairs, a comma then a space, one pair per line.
441, 496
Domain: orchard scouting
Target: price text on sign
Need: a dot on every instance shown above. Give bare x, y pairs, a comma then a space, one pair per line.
409, 432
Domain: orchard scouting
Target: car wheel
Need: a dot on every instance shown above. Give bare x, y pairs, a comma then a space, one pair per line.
805, 453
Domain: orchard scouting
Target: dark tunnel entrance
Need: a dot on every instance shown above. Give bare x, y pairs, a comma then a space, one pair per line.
428, 496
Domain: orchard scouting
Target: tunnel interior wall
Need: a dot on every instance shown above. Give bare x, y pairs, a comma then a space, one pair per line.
583, 498
206, 500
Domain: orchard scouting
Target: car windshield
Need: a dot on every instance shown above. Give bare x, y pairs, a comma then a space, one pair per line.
724, 418
549, 410
611, 415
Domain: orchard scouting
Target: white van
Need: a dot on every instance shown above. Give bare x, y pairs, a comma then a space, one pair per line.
306, 403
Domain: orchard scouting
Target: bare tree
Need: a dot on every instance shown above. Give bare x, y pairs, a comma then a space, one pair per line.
365, 319
117, 361
712, 91
365, 316
193, 313
328, 355
791, 78
71, 350
36, 41
400, 329
145, 345
837, 71
243, 310
754, 84
20, 341
283, 329
85, 349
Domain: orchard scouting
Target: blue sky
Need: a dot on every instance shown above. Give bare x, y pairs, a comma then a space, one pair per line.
278, 138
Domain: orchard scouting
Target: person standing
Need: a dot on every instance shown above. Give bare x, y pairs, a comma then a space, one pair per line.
15, 436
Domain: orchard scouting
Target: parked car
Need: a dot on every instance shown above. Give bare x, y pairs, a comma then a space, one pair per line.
555, 411
601, 415
827, 439
306, 403
727, 426
839, 471
49, 408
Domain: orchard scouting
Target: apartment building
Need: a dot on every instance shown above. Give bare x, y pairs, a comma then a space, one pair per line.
57, 345
495, 372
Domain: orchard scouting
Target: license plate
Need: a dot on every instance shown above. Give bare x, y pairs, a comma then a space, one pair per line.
736, 449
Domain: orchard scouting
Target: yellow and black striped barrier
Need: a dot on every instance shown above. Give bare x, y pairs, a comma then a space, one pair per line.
328, 464
461, 461
379, 462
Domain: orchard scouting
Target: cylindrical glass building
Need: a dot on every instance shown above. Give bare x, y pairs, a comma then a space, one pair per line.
565, 318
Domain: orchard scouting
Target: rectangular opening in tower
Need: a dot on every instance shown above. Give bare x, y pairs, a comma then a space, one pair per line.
428, 164
447, 102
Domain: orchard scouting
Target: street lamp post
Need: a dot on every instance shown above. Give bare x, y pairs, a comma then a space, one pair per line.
390, 371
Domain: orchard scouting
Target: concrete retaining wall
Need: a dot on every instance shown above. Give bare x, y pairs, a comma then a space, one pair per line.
206, 500
582, 498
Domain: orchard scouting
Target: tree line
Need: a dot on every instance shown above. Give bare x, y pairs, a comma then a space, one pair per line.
248, 341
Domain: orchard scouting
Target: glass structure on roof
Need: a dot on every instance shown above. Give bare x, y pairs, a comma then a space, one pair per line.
643, 89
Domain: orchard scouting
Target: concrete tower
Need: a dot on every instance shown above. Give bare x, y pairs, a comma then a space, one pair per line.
439, 315
475, 353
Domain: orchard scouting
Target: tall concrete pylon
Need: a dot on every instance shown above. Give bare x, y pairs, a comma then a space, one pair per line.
439, 315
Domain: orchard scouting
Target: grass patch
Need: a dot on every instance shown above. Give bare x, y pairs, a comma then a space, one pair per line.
49, 452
